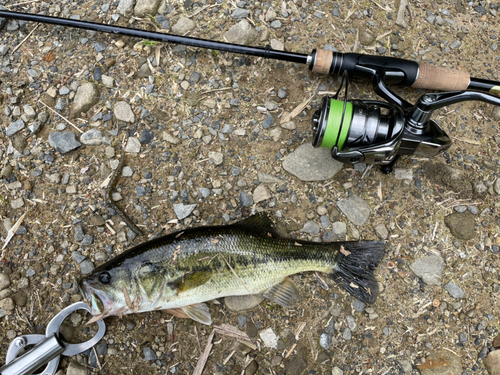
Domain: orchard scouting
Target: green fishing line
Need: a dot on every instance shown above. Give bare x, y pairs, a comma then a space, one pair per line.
332, 136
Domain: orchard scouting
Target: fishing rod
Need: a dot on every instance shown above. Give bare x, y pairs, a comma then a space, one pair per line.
396, 71
356, 131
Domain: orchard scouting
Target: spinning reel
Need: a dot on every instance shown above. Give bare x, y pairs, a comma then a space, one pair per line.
376, 132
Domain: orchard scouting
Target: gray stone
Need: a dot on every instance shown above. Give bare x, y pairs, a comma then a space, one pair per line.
347, 334
17, 203
15, 127
144, 71
4, 49
133, 145
35, 127
149, 354
239, 13
358, 306
312, 164
351, 323
246, 200
496, 186
216, 157
194, 78
29, 112
86, 267
61, 104
241, 33
310, 227
93, 137
366, 38
339, 229
125, 7
183, 25
63, 142
86, 96
123, 112
77, 256
355, 209
454, 290
268, 122
183, 210
407, 367
268, 178
7, 304
261, 193
430, 269
337, 371
282, 94
325, 340
242, 303
145, 8
205, 193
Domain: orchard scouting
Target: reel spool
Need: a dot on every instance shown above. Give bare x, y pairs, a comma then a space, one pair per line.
358, 131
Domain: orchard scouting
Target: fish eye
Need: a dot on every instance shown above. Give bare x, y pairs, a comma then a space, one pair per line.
104, 277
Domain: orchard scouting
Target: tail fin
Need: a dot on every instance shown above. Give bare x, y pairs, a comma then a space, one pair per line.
356, 262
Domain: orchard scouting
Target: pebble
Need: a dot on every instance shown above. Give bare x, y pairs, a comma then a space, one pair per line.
146, 136
133, 145
241, 33
347, 334
17, 203
268, 122
403, 174
246, 200
183, 210
312, 164
4, 281
429, 269
441, 362
240, 14
351, 323
325, 340
86, 267
170, 138
145, 8
310, 227
15, 127
149, 354
86, 96
29, 112
76, 369
93, 137
355, 209
290, 125
358, 306
216, 157
337, 371
269, 338
381, 231
183, 25
63, 142
454, 290
252, 368
123, 112
261, 193
7, 304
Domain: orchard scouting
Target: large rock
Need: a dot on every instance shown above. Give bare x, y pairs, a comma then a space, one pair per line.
461, 225
86, 96
429, 269
241, 33
312, 164
145, 8
492, 363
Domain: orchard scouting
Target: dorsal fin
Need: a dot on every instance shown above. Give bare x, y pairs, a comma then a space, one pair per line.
262, 222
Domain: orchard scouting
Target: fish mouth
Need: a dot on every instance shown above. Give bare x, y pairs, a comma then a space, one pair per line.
99, 303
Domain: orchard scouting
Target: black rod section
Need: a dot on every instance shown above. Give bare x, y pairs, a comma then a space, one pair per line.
160, 37
484, 85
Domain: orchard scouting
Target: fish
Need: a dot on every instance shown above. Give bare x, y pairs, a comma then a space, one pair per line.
181, 271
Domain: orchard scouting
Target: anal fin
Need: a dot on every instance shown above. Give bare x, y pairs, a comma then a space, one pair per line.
284, 294
198, 313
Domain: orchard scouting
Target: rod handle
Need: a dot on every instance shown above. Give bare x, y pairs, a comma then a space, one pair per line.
432, 77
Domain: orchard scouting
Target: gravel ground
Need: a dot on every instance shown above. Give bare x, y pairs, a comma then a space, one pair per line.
203, 143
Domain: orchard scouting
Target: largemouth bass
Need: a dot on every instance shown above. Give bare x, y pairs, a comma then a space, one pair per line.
180, 271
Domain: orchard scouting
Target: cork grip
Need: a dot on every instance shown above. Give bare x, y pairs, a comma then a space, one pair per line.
323, 61
444, 79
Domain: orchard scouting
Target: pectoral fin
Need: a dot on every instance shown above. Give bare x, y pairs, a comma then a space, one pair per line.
190, 281
284, 294
199, 313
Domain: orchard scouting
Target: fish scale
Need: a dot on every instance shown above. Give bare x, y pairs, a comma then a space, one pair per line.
196, 265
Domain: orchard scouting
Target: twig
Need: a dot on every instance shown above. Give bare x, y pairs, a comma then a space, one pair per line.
297, 110
204, 357
467, 141
13, 231
61, 116
299, 330
24, 40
